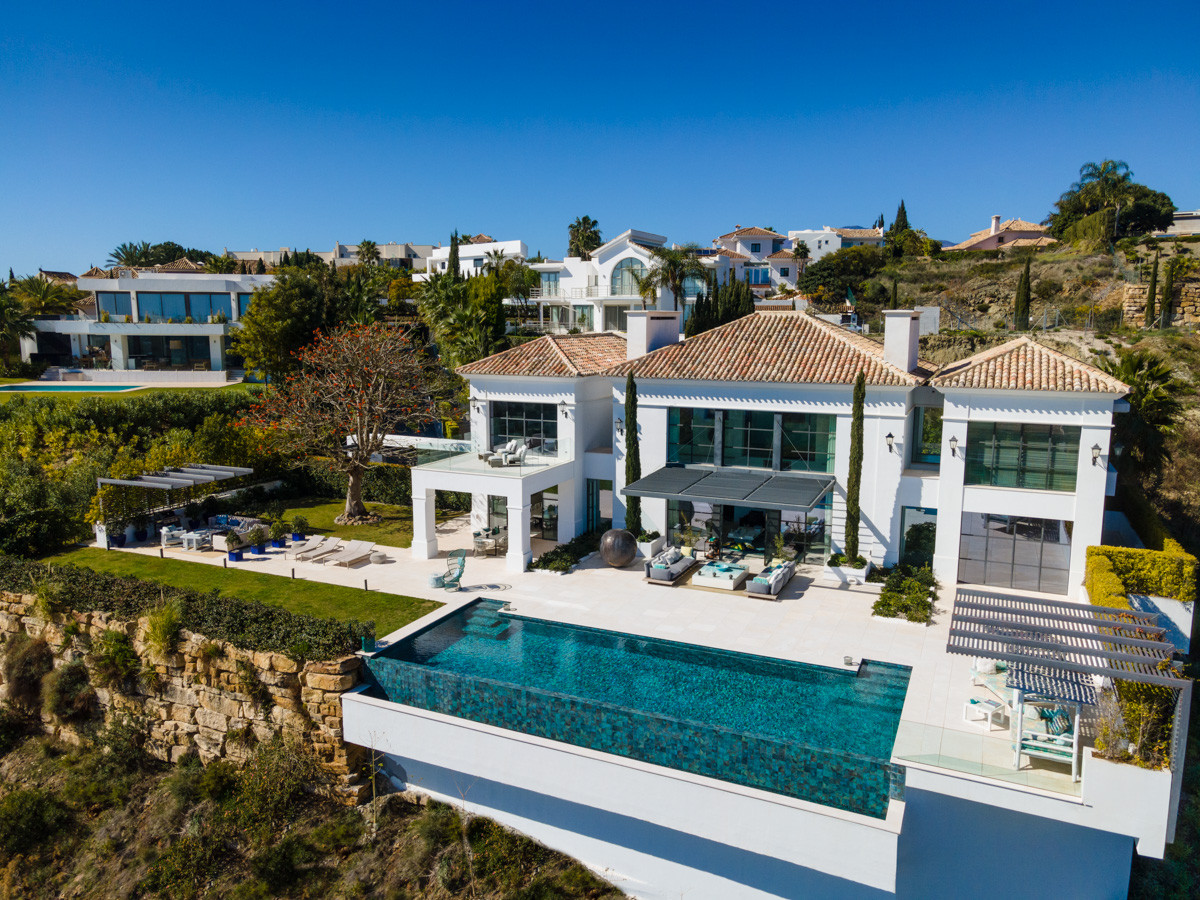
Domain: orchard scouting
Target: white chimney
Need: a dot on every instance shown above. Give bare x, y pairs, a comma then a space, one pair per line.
650, 329
901, 337
995, 224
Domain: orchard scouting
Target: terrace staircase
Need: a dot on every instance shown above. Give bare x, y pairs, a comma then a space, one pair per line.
487, 623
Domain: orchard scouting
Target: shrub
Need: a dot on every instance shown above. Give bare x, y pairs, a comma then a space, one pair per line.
562, 557
114, 660
14, 725
841, 559
338, 834
162, 634
219, 780
250, 685
279, 866
279, 530
28, 820
1157, 572
299, 524
69, 694
187, 865
274, 785
26, 662
908, 593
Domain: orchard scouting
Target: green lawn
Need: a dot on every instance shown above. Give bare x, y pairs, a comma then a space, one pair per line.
394, 531
388, 611
4, 396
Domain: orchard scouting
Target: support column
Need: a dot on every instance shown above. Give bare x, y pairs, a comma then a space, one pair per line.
424, 540
216, 352
28, 347
118, 348
520, 551
568, 511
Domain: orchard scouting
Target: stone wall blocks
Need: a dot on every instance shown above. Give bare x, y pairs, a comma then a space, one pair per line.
337, 683
281, 663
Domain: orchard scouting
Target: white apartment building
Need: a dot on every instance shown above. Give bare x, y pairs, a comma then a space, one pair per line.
404, 255
473, 255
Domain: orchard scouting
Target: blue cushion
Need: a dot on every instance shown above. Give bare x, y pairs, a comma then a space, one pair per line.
1060, 723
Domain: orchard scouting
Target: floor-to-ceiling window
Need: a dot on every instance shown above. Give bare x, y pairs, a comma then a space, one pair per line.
543, 514
625, 275
599, 504
806, 532
534, 423
918, 534
748, 439
690, 435
807, 441
927, 436
1015, 551
585, 316
1039, 457
616, 318
115, 304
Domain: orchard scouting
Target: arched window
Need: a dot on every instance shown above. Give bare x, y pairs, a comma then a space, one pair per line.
623, 282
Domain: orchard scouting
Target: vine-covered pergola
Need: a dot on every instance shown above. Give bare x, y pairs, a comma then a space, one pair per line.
182, 485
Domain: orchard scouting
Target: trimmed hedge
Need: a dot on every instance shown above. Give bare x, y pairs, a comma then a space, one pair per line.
1150, 571
246, 624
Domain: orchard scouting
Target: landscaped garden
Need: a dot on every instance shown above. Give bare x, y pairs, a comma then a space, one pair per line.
393, 530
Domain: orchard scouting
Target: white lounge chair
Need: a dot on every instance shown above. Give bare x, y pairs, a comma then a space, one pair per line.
304, 546
325, 548
353, 552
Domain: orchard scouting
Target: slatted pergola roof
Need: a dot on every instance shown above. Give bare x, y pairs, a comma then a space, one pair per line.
191, 475
1056, 639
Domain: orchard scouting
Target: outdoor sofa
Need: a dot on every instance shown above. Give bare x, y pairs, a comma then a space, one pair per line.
668, 566
771, 581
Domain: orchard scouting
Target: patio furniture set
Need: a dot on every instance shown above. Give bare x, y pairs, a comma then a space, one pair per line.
490, 541
669, 566
325, 550
514, 452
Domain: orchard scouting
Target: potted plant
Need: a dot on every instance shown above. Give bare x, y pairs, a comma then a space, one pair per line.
649, 543
105, 317
846, 569
233, 546
279, 531
687, 539
141, 528
299, 528
116, 532
257, 539
192, 513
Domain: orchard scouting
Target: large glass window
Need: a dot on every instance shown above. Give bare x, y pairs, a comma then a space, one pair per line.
1015, 551
243, 304
162, 307
693, 286
116, 303
616, 318
623, 282
758, 274
599, 504
690, 435
748, 439
692, 523
585, 317
927, 435
549, 284
918, 534
807, 441
1040, 457
534, 423
806, 533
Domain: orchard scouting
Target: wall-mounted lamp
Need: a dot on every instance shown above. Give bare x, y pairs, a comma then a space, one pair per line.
953, 446
891, 442
477, 406
1095, 454
620, 423
562, 408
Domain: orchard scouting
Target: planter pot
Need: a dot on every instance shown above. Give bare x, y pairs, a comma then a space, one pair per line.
297, 537
846, 574
235, 555
650, 549
260, 549
119, 539
140, 535
278, 543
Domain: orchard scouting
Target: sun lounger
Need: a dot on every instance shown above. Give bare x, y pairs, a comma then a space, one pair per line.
304, 546
353, 552
326, 547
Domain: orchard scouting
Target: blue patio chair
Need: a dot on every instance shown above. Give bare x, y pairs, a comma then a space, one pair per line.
456, 564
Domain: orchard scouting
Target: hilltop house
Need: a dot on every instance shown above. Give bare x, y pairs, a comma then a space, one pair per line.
1006, 235
405, 255
473, 254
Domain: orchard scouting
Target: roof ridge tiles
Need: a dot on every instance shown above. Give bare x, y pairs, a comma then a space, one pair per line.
1026, 364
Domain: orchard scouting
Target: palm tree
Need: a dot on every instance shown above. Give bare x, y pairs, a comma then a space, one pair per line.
583, 237
220, 265
16, 322
494, 261
368, 253
1154, 408
672, 266
131, 255
801, 255
43, 297
1105, 184
647, 287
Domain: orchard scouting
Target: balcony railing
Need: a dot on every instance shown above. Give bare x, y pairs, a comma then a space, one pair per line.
590, 292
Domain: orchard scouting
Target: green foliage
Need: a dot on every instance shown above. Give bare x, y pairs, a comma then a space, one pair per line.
1157, 572
15, 724
279, 865
246, 624
1021, 303
1168, 293
1108, 188
26, 662
1154, 409
1151, 292
838, 560
300, 524
187, 866
828, 279
583, 236
68, 692
29, 819
854, 481
338, 834
439, 826
114, 660
1094, 229
162, 633
274, 786
908, 593
562, 557
250, 685
724, 303
633, 456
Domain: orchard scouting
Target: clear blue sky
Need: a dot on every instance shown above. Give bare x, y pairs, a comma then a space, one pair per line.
230, 125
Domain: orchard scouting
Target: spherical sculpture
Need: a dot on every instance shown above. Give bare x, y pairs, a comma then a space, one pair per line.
618, 547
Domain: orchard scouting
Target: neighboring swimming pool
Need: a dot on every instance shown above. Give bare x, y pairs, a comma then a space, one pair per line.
818, 734
57, 387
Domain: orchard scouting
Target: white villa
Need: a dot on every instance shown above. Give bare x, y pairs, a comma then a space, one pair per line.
173, 318
406, 255
473, 254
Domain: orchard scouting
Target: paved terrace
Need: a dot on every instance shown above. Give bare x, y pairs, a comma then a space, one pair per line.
812, 623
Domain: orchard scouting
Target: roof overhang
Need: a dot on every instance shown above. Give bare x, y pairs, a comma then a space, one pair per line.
737, 487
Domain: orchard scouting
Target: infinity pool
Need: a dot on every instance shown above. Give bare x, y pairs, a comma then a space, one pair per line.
810, 732
55, 387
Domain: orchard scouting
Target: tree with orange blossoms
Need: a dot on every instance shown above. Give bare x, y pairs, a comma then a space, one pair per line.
354, 387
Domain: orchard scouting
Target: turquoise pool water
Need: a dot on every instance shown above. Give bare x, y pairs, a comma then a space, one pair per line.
55, 387
811, 732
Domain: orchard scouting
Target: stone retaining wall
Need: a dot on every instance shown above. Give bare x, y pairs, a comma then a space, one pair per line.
198, 698
1185, 303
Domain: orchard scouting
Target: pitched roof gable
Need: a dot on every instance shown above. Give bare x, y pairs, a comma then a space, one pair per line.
778, 347
751, 232
1025, 365
553, 356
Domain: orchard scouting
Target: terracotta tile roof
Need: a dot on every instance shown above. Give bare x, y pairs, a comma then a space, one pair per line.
554, 356
858, 232
56, 276
1043, 241
480, 238
1025, 365
183, 264
751, 232
780, 347
732, 254
1007, 225
97, 272
781, 254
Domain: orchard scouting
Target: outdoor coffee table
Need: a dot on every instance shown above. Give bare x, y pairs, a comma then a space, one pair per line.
196, 540
721, 575
984, 712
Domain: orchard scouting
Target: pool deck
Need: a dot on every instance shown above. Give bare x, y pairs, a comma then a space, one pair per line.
812, 622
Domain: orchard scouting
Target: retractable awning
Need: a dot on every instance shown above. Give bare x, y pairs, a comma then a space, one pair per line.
738, 487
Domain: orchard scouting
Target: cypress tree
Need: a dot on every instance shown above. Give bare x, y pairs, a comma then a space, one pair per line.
286, 260
1168, 290
452, 261
1021, 305
854, 482
901, 224
895, 295
11, 279
689, 330
1151, 293
633, 457
746, 307
261, 267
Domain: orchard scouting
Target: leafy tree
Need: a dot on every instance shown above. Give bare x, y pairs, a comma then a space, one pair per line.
830, 277
130, 254
361, 383
1154, 409
16, 322
633, 457
493, 261
368, 253
854, 480
801, 254
1151, 292
671, 266
44, 297
1109, 184
519, 280
284, 316
583, 236
1021, 303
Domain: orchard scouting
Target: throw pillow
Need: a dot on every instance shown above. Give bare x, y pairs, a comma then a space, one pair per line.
1059, 724
673, 555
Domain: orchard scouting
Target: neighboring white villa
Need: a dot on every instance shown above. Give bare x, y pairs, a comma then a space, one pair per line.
173, 318
473, 254
405, 255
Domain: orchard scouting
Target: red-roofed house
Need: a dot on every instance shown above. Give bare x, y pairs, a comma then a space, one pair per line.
1009, 233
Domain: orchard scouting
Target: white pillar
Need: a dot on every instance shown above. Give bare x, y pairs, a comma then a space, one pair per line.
28, 348
951, 475
520, 551
568, 511
118, 348
424, 541
1091, 482
216, 352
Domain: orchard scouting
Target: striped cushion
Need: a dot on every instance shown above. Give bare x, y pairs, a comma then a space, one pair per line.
1059, 723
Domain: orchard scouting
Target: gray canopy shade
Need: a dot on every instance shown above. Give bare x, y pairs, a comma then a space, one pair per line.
191, 475
739, 487
1050, 641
